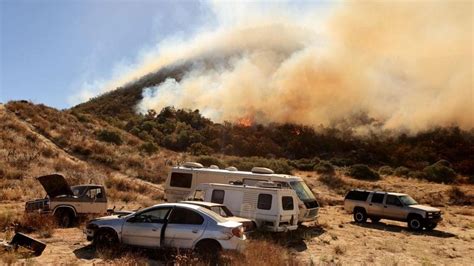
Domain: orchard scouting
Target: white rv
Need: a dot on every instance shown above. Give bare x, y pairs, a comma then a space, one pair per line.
184, 179
270, 206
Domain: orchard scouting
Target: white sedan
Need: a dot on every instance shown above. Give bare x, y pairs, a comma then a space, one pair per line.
169, 225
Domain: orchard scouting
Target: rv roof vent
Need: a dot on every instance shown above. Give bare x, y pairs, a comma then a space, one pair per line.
213, 166
268, 184
262, 170
231, 168
192, 165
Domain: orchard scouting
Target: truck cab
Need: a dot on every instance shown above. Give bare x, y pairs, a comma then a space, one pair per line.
66, 203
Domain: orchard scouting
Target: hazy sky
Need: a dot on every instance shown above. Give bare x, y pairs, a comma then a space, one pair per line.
52, 48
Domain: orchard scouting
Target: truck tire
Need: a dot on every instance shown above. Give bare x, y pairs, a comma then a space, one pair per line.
360, 216
415, 222
64, 217
430, 226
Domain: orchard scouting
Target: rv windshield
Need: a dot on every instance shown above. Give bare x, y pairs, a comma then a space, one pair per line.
302, 190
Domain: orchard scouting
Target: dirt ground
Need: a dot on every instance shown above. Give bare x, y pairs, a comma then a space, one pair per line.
335, 239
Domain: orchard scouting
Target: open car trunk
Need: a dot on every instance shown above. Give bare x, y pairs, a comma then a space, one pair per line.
55, 185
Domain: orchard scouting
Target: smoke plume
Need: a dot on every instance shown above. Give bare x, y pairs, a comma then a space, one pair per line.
405, 65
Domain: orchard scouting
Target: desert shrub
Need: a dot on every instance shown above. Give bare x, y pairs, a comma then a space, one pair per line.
335, 182
110, 137
6, 219
439, 172
338, 161
417, 174
304, 164
200, 149
362, 171
401, 171
279, 166
149, 147
210, 160
444, 163
386, 170
324, 167
105, 160
42, 224
8, 172
459, 197
82, 150
48, 152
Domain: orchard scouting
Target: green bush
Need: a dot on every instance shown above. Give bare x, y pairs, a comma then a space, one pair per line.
149, 147
386, 170
341, 161
401, 171
304, 164
210, 160
362, 171
440, 173
109, 136
417, 174
200, 149
324, 167
279, 166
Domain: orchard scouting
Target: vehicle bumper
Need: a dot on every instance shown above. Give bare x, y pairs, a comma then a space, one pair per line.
235, 243
433, 220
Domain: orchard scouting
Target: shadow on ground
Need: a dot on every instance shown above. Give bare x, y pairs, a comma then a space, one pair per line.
398, 229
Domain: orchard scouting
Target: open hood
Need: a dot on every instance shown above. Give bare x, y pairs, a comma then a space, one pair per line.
55, 185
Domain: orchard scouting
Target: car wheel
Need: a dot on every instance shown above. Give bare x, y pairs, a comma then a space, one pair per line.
105, 240
374, 219
431, 226
415, 223
64, 218
209, 250
360, 216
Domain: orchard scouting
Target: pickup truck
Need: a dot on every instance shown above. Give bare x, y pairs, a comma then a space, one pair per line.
392, 206
67, 203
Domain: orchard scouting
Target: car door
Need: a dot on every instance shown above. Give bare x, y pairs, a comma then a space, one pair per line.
145, 228
184, 227
376, 206
94, 201
393, 208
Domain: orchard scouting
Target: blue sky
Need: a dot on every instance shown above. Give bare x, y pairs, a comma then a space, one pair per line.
49, 48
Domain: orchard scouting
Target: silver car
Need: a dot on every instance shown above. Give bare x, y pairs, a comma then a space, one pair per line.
169, 225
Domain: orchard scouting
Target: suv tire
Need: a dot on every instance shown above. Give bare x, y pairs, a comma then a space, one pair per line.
360, 216
431, 226
415, 223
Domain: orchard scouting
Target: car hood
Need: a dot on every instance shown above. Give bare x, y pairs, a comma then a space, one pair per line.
424, 208
55, 185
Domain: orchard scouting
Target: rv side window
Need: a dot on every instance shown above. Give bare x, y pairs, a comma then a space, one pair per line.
217, 196
181, 180
264, 202
287, 203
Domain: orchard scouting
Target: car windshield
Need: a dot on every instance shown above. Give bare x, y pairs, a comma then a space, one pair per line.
222, 211
302, 190
407, 200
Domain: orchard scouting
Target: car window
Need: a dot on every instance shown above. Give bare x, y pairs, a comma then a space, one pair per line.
378, 197
264, 201
287, 203
94, 193
393, 200
219, 210
182, 180
357, 195
185, 216
217, 196
152, 216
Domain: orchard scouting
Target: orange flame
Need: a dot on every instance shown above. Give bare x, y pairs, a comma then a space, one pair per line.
245, 121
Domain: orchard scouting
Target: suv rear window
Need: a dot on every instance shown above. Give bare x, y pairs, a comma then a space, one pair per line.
264, 202
357, 195
181, 180
378, 197
217, 196
287, 203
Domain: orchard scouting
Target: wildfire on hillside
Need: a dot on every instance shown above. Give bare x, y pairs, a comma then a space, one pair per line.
245, 121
